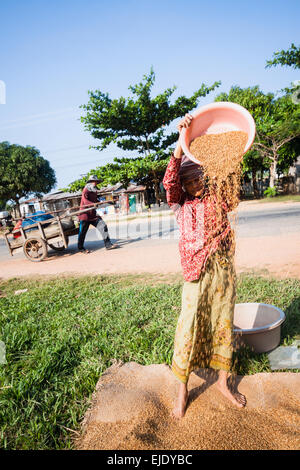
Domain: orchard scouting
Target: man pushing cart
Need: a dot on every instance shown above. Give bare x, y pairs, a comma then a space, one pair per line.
89, 198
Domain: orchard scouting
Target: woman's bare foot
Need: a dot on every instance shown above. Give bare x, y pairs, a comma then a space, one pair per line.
236, 398
181, 402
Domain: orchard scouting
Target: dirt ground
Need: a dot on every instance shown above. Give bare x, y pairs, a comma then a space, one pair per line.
277, 255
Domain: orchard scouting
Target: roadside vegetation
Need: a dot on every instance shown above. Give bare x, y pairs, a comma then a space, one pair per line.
287, 198
62, 333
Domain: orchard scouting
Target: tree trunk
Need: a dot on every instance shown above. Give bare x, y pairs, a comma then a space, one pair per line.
273, 168
254, 183
18, 211
147, 144
146, 197
156, 190
260, 179
156, 187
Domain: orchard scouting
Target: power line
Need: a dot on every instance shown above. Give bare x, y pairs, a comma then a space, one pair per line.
74, 165
35, 116
78, 164
65, 148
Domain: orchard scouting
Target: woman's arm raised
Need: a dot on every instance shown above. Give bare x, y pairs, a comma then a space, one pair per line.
171, 179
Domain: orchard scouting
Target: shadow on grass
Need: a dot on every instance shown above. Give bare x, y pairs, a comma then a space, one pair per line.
291, 326
247, 361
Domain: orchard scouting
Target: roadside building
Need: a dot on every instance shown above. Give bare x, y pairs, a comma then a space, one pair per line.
60, 200
294, 171
126, 200
28, 207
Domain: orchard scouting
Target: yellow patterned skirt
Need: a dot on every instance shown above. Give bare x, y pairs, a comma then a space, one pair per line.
204, 333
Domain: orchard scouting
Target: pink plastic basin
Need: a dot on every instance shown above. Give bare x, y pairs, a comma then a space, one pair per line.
216, 118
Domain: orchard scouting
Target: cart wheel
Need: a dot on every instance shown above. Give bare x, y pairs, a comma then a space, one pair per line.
35, 249
59, 246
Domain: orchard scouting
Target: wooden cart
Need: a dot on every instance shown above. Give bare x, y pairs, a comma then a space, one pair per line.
54, 233
35, 239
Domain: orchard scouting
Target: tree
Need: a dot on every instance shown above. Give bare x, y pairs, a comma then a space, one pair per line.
291, 58
23, 172
277, 124
148, 171
280, 127
253, 162
138, 123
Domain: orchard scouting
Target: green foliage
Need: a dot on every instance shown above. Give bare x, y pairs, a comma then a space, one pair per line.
277, 128
138, 123
62, 334
3, 204
270, 192
254, 161
257, 103
148, 171
291, 58
23, 172
288, 154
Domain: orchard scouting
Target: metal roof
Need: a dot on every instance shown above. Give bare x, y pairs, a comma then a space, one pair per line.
116, 188
60, 195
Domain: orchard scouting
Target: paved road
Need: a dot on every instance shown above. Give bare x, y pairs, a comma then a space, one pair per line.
249, 224
267, 222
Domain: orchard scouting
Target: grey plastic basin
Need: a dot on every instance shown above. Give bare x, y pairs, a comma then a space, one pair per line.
257, 326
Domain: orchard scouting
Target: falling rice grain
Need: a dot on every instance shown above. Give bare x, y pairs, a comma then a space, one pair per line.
220, 154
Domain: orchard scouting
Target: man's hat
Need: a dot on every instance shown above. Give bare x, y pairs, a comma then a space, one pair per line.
93, 178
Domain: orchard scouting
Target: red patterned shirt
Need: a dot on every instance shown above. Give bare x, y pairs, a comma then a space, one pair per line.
200, 233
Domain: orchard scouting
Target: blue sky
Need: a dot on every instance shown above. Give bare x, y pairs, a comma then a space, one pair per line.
53, 52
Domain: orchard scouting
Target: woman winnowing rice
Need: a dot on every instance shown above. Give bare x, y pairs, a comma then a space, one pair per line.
204, 332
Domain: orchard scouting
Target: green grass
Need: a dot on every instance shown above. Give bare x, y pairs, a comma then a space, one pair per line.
63, 333
289, 197
285, 294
